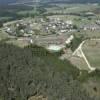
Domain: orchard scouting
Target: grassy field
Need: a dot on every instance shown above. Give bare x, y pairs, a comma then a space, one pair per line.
77, 20
71, 8
79, 63
93, 34
92, 86
19, 43
92, 51
5, 18
3, 35
89, 34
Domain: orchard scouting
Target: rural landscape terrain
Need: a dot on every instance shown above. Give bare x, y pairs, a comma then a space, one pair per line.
50, 50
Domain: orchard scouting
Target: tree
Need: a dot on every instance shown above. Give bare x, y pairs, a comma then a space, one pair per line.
1, 24
75, 27
33, 71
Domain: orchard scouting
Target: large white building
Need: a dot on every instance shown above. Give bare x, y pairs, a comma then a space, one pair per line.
55, 48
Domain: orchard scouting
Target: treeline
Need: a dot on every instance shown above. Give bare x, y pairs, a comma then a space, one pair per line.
70, 1
33, 71
76, 42
13, 13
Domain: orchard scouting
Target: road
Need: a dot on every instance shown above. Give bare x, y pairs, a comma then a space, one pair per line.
11, 22
79, 49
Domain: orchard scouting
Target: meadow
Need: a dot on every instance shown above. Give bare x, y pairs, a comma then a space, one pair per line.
91, 50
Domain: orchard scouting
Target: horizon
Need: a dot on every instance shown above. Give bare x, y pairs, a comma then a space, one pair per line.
6, 2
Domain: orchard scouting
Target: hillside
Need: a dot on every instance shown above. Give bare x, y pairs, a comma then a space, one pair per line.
33, 71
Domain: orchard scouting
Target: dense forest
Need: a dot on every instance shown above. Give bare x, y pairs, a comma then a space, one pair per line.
33, 71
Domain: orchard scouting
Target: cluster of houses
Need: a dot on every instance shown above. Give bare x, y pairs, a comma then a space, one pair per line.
53, 42
20, 28
56, 25
91, 27
27, 27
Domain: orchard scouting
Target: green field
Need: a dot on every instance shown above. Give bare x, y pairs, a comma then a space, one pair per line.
71, 8
92, 51
3, 35
79, 63
89, 34
77, 20
19, 43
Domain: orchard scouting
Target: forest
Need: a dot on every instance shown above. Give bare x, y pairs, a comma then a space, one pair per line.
33, 71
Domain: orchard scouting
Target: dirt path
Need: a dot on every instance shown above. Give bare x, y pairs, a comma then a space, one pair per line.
79, 52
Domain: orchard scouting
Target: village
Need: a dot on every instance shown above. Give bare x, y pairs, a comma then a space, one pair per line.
50, 50
40, 26
42, 32
51, 33
62, 35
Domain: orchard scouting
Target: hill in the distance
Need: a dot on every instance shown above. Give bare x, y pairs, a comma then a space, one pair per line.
6, 2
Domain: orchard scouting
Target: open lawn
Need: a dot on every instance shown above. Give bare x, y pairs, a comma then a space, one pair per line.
91, 50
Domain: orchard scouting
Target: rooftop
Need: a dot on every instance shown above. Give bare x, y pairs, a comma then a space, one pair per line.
55, 47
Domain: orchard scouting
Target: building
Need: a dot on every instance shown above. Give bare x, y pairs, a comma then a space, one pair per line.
91, 27
55, 48
69, 39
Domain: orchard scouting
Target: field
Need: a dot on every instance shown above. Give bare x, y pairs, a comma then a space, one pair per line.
89, 34
3, 35
91, 50
79, 63
19, 43
93, 34
71, 8
78, 13
77, 20
92, 86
